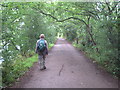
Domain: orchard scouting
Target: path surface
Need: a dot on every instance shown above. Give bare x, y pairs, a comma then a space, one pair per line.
67, 68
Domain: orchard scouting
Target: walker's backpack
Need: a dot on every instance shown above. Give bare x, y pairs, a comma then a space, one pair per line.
41, 45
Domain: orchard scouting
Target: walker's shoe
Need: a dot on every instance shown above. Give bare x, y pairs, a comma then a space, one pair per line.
44, 67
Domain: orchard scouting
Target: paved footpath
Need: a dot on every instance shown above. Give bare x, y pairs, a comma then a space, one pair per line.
67, 68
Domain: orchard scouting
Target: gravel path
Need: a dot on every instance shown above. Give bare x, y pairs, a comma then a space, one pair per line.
67, 68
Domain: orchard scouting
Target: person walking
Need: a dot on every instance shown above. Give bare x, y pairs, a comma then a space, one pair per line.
42, 50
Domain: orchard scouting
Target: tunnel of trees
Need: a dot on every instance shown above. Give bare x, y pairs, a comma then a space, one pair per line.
91, 27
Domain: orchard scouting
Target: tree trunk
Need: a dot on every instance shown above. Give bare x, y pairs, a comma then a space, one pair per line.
76, 40
91, 36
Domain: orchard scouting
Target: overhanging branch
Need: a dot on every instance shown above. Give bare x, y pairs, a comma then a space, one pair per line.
75, 18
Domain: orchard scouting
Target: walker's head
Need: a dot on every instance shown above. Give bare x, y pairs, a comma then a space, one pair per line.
42, 36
